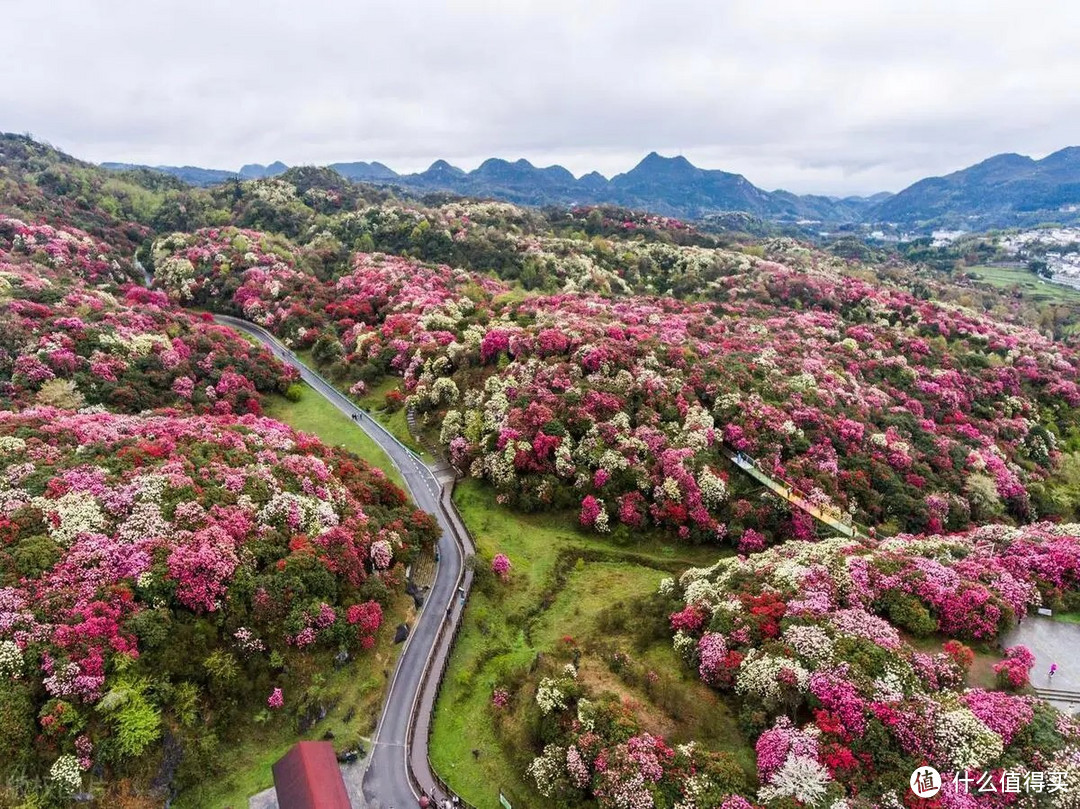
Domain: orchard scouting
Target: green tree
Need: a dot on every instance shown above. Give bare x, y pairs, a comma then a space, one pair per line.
136, 722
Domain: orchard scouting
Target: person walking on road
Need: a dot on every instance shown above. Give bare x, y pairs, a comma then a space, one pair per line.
1053, 670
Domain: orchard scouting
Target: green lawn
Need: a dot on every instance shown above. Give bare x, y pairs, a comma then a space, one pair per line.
497, 528
1031, 285
561, 579
1067, 617
314, 414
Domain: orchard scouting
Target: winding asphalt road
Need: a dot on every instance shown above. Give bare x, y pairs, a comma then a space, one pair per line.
399, 771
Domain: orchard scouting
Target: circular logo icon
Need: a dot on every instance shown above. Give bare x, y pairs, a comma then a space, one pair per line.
926, 782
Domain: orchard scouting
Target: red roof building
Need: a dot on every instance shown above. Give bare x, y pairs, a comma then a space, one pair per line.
308, 777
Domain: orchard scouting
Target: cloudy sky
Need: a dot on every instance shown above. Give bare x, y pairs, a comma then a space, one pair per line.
832, 96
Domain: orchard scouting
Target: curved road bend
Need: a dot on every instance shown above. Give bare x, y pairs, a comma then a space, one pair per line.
399, 764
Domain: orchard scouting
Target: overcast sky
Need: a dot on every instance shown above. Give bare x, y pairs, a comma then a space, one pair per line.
828, 96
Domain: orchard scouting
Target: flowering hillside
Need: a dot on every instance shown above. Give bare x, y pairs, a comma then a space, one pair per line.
370, 319
169, 577
124, 209
801, 631
163, 574
67, 341
67, 250
895, 409
890, 407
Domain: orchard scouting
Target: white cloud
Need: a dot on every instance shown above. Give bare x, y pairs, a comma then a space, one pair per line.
826, 97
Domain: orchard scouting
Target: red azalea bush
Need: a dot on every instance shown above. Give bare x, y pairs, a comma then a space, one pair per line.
959, 654
1014, 671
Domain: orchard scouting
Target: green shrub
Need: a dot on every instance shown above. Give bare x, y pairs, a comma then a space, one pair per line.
17, 723
135, 721
222, 667
295, 392
34, 555
907, 612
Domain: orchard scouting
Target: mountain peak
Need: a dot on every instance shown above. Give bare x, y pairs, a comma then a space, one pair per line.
654, 160
257, 171
360, 170
1068, 156
441, 166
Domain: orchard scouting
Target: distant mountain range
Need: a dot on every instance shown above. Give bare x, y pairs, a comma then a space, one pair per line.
1001, 188
1005, 190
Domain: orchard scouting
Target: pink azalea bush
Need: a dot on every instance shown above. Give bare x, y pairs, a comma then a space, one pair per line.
500, 566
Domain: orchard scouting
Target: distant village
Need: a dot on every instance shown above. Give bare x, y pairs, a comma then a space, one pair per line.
1058, 247
1051, 252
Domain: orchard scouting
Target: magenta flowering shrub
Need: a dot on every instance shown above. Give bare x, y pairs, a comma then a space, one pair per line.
206, 554
1003, 713
500, 566
808, 636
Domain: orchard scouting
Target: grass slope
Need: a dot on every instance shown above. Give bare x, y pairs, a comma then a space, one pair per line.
314, 414
1027, 282
561, 582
